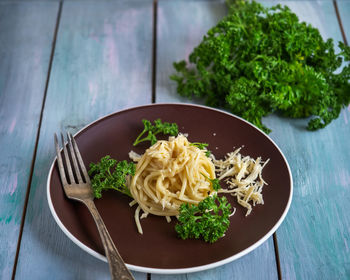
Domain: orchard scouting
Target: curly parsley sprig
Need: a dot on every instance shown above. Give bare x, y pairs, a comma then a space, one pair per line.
151, 130
202, 146
215, 183
108, 173
209, 220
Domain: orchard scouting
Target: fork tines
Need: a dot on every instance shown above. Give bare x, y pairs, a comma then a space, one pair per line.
79, 175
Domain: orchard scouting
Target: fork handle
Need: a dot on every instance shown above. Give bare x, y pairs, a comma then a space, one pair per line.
117, 266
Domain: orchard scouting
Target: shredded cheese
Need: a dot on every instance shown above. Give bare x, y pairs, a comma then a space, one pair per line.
243, 176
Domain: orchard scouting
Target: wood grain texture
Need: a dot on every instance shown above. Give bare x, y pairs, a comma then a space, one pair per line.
102, 64
181, 26
91, 49
24, 60
314, 240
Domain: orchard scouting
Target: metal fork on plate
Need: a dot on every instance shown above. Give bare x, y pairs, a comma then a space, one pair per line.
79, 188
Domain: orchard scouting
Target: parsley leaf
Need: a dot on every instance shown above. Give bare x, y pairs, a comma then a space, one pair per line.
215, 183
202, 146
260, 60
110, 174
151, 130
209, 220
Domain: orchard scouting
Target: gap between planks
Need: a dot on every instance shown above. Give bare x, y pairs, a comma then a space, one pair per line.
335, 4
277, 256
154, 50
36, 141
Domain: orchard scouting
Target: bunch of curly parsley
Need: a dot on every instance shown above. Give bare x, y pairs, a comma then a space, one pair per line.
260, 60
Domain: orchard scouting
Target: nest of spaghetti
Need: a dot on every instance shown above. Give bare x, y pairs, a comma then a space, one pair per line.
169, 174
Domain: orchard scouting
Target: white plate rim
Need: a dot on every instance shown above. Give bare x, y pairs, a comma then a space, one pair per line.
175, 270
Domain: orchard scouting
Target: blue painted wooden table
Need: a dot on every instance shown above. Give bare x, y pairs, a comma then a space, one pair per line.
64, 64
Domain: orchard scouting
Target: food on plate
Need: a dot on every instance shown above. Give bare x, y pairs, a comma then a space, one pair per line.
169, 174
208, 220
151, 130
177, 178
110, 174
243, 175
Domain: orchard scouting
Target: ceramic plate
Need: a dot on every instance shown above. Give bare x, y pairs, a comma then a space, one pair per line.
159, 250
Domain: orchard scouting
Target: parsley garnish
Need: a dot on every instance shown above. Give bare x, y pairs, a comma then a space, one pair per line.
209, 220
110, 174
153, 129
202, 146
261, 60
215, 183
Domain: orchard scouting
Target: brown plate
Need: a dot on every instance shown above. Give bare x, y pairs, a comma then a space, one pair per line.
159, 250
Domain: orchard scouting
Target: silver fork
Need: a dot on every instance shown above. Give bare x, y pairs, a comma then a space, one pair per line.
80, 189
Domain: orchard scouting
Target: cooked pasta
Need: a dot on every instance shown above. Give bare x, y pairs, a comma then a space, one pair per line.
168, 174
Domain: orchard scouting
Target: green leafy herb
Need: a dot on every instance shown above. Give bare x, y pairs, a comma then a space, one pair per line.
261, 60
151, 130
199, 145
110, 174
209, 220
202, 146
214, 182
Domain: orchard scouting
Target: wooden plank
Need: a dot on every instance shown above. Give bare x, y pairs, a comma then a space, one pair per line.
25, 40
102, 64
181, 26
314, 240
